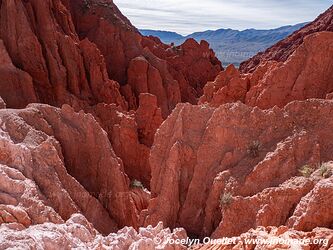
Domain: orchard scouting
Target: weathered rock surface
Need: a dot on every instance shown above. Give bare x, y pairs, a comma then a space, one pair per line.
148, 117
77, 232
142, 64
217, 169
16, 87
278, 83
47, 177
130, 135
229, 86
281, 51
212, 167
2, 103
41, 40
66, 52
316, 207
191, 64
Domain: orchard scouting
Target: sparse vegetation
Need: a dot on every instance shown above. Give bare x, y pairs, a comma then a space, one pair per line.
254, 149
325, 171
85, 6
226, 199
306, 171
137, 184
174, 48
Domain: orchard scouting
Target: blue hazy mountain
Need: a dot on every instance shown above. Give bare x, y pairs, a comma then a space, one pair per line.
231, 46
165, 36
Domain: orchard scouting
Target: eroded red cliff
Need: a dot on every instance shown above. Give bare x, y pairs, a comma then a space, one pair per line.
76, 52
254, 159
226, 170
281, 51
307, 73
144, 64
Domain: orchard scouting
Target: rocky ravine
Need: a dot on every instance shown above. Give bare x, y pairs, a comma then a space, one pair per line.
254, 159
87, 54
236, 167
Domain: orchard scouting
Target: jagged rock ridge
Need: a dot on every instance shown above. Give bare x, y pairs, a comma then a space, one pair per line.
211, 164
282, 50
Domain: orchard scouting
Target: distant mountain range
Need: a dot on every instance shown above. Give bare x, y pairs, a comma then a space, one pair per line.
231, 46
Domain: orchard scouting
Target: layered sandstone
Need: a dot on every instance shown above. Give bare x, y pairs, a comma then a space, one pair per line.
226, 170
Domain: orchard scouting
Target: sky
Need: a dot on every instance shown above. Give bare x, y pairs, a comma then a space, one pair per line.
188, 16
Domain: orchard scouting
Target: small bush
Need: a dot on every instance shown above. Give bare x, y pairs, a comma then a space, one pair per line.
325, 171
306, 171
86, 6
137, 184
254, 149
226, 199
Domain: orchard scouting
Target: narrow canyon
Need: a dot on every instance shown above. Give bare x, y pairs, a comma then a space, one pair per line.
114, 140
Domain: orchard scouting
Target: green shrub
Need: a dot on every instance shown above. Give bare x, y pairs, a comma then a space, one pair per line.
254, 149
325, 171
137, 184
306, 171
226, 199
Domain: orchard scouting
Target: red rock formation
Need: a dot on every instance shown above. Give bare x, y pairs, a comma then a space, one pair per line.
34, 178
203, 157
148, 117
316, 207
281, 51
41, 40
229, 86
278, 83
16, 86
48, 177
196, 63
145, 78
216, 170
55, 63
124, 134
145, 64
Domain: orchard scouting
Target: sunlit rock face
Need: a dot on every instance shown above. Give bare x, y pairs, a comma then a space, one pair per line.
281, 51
226, 170
125, 152
308, 73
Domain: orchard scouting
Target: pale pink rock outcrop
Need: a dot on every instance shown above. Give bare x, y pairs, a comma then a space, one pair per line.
49, 178
77, 232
